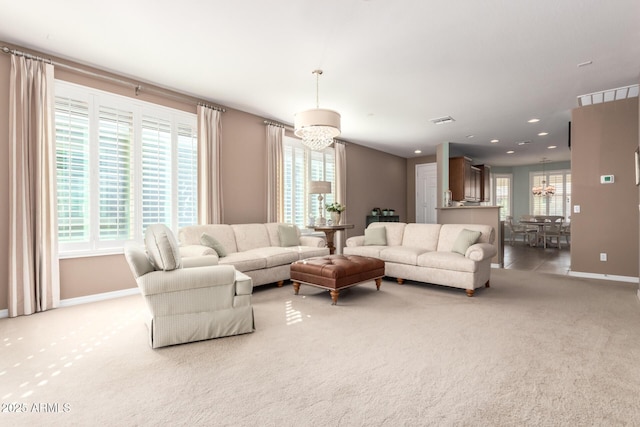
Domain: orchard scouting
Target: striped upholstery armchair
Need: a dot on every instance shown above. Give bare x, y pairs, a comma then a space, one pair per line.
188, 304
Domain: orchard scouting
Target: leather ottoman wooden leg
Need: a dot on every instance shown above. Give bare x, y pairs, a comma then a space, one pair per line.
296, 287
378, 283
334, 296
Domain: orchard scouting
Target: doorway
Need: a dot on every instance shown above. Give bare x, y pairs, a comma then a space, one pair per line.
426, 193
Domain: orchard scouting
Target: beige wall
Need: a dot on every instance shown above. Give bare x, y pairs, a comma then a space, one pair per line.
603, 139
373, 179
411, 184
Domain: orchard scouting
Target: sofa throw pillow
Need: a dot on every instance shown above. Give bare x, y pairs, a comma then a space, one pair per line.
465, 239
162, 248
213, 243
375, 236
288, 235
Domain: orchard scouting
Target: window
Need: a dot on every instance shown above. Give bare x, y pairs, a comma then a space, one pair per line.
122, 165
560, 202
502, 185
302, 165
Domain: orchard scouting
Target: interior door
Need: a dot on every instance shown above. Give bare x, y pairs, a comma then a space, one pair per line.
426, 193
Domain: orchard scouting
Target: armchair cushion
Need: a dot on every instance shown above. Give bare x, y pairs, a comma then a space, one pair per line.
208, 240
465, 239
162, 248
288, 235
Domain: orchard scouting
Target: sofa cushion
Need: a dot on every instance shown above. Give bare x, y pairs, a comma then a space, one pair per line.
251, 236
402, 254
208, 240
375, 236
244, 261
304, 252
288, 235
370, 251
162, 247
190, 235
421, 236
447, 261
274, 256
465, 239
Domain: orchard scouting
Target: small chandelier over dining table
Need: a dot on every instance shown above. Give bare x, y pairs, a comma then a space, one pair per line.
543, 190
317, 127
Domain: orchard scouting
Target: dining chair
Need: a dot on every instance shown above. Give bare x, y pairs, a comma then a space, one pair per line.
515, 230
552, 229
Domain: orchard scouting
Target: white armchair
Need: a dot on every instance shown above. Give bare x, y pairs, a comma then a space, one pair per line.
188, 304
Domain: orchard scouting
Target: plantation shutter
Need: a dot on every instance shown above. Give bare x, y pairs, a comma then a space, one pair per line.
187, 179
115, 136
72, 164
156, 171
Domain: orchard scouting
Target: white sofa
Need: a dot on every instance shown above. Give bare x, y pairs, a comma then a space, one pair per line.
423, 253
257, 250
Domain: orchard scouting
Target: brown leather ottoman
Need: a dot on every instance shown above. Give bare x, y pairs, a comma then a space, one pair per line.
335, 272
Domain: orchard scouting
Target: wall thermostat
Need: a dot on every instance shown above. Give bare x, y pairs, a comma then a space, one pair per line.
606, 179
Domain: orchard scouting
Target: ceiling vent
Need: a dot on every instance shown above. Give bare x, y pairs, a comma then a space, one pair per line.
442, 120
523, 142
608, 95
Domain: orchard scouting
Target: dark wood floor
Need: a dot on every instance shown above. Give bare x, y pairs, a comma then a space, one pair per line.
521, 256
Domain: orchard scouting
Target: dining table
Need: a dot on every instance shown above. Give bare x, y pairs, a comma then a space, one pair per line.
540, 222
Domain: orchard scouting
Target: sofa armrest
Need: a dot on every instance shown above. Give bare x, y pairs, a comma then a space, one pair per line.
355, 241
313, 241
158, 282
481, 251
200, 261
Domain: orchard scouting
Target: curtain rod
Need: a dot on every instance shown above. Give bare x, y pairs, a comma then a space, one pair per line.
136, 87
281, 125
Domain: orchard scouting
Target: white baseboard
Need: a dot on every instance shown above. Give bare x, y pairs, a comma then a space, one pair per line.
89, 298
99, 297
612, 277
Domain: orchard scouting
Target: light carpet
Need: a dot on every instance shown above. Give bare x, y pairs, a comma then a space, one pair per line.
534, 349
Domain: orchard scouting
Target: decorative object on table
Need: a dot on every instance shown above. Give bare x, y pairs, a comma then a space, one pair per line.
317, 127
312, 221
376, 211
320, 188
335, 209
385, 212
543, 190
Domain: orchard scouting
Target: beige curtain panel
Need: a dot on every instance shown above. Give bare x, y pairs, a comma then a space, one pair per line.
341, 188
275, 208
34, 279
209, 183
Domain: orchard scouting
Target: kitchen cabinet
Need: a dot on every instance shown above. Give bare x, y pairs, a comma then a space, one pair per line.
465, 180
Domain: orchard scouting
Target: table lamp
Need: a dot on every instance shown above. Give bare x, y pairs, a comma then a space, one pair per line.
320, 188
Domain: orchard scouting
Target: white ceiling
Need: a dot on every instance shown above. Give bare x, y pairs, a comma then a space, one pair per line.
389, 65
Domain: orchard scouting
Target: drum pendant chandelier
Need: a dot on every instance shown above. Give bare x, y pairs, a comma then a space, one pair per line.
317, 127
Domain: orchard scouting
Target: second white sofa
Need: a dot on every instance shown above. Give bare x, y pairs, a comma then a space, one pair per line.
430, 253
263, 252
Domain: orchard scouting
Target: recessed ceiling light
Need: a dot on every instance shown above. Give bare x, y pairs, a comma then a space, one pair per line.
543, 134
493, 141
470, 136
534, 120
418, 151
552, 146
510, 152
585, 63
